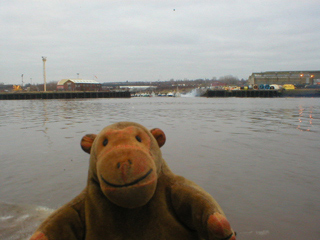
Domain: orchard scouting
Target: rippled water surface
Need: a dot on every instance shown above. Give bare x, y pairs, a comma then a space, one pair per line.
259, 158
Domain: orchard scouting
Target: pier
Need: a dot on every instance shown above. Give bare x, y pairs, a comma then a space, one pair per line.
244, 93
263, 93
62, 95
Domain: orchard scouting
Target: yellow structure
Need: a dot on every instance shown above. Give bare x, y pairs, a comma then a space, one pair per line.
288, 86
17, 88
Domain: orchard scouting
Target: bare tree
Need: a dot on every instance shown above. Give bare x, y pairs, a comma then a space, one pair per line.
230, 80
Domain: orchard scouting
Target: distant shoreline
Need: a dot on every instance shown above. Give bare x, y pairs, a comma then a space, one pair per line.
250, 93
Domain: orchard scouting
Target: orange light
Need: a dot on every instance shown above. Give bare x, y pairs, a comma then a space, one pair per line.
312, 76
301, 75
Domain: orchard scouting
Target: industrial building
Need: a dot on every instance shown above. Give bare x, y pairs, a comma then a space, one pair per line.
299, 78
78, 85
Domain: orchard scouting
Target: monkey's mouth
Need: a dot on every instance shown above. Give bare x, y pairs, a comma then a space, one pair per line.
127, 184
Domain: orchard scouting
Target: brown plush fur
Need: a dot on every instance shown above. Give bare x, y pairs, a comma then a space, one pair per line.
132, 194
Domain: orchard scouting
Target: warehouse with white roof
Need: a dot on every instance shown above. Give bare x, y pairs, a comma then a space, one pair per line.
78, 85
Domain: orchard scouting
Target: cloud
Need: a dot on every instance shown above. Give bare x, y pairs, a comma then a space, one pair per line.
149, 40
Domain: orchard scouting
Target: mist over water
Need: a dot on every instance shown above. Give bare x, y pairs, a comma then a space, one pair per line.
259, 158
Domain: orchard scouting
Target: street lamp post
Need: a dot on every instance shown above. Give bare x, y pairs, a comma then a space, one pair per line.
44, 59
311, 79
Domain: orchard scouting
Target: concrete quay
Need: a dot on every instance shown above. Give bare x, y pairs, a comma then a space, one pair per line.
263, 93
62, 95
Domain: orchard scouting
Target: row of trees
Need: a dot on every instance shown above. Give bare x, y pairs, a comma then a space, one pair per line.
228, 80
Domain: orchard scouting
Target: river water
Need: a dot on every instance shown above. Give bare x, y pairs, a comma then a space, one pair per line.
259, 158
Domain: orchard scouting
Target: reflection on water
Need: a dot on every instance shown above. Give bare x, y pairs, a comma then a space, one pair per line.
258, 157
304, 115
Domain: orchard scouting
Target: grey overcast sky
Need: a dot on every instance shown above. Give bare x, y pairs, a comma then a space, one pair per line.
148, 40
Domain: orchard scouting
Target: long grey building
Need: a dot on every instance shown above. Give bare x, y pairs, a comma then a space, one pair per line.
285, 77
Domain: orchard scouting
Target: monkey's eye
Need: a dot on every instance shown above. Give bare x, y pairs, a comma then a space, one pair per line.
138, 139
105, 142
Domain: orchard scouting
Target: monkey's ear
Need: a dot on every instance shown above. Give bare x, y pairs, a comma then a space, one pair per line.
159, 136
86, 142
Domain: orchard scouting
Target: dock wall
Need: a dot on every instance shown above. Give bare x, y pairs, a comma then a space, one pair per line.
244, 93
264, 93
62, 95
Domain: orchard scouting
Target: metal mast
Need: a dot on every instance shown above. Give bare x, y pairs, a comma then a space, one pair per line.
44, 59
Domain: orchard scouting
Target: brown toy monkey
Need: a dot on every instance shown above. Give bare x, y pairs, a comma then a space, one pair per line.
132, 194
